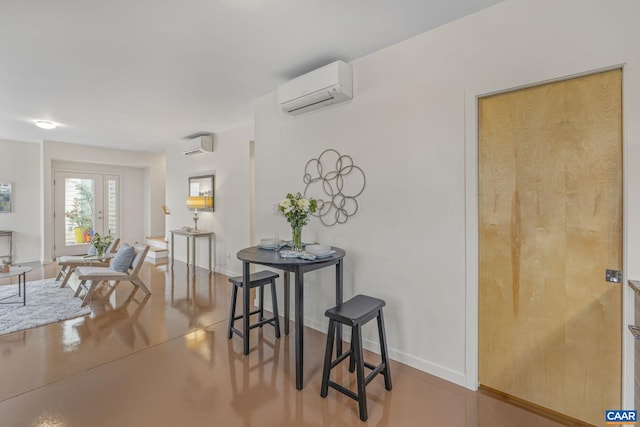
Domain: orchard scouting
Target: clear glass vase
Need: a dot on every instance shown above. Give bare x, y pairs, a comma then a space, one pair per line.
296, 242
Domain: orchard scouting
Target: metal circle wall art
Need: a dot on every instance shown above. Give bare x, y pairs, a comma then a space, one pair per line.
335, 182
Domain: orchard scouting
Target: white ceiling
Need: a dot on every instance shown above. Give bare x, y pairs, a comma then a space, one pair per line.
141, 74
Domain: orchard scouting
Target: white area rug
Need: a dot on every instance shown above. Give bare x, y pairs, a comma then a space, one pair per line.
46, 303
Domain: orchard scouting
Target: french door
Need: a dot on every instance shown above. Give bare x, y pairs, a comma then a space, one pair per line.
84, 204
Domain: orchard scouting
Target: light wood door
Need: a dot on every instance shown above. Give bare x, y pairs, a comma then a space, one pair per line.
550, 224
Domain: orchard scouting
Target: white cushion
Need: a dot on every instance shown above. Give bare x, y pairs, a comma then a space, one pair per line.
68, 258
100, 272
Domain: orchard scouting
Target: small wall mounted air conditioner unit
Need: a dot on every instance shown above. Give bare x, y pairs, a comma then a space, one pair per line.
198, 145
325, 86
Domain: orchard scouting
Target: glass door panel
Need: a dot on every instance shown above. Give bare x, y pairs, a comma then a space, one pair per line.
79, 208
85, 204
112, 213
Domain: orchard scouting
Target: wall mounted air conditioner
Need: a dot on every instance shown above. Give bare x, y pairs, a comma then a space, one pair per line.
325, 86
198, 145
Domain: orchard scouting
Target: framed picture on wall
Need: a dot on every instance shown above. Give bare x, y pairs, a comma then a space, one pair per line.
5, 197
201, 192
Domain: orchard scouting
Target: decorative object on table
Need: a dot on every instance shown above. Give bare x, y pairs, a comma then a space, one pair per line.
6, 265
101, 243
297, 210
271, 243
305, 255
47, 303
289, 254
198, 202
334, 187
297, 254
318, 250
5, 197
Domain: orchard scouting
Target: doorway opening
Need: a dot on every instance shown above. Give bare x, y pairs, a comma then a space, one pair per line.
84, 204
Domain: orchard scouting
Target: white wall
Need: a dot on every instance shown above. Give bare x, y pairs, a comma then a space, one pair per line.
409, 128
20, 164
229, 162
151, 197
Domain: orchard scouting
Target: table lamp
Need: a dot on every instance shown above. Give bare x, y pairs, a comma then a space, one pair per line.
198, 202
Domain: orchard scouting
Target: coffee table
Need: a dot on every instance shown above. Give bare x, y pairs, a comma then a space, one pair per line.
21, 273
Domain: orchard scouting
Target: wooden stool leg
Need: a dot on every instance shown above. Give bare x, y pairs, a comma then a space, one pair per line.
352, 360
89, 294
383, 351
79, 289
232, 310
356, 340
326, 369
274, 302
67, 276
261, 305
61, 272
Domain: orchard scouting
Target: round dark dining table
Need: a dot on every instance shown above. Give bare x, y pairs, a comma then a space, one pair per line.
271, 258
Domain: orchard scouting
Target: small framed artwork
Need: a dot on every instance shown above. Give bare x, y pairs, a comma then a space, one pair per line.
5, 197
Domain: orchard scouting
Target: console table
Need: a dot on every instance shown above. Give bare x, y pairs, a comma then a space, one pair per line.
9, 235
192, 236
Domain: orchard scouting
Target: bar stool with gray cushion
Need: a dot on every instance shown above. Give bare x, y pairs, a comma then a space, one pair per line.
260, 280
355, 313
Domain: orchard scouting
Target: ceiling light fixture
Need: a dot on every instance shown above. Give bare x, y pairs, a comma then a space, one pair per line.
44, 124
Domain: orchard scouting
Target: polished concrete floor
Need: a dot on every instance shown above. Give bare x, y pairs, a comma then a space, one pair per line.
165, 360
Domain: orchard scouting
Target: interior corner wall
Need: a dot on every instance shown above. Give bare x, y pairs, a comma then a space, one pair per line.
20, 164
152, 191
405, 128
230, 163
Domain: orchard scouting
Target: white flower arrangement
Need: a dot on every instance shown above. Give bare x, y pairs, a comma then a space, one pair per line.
297, 209
101, 243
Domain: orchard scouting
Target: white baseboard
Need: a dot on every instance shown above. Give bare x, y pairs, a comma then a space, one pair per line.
458, 378
157, 254
434, 369
226, 272
28, 260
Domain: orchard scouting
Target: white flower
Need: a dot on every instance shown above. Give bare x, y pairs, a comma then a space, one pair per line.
289, 209
303, 204
285, 203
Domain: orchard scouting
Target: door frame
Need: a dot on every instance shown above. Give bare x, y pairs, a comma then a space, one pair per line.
104, 173
472, 232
